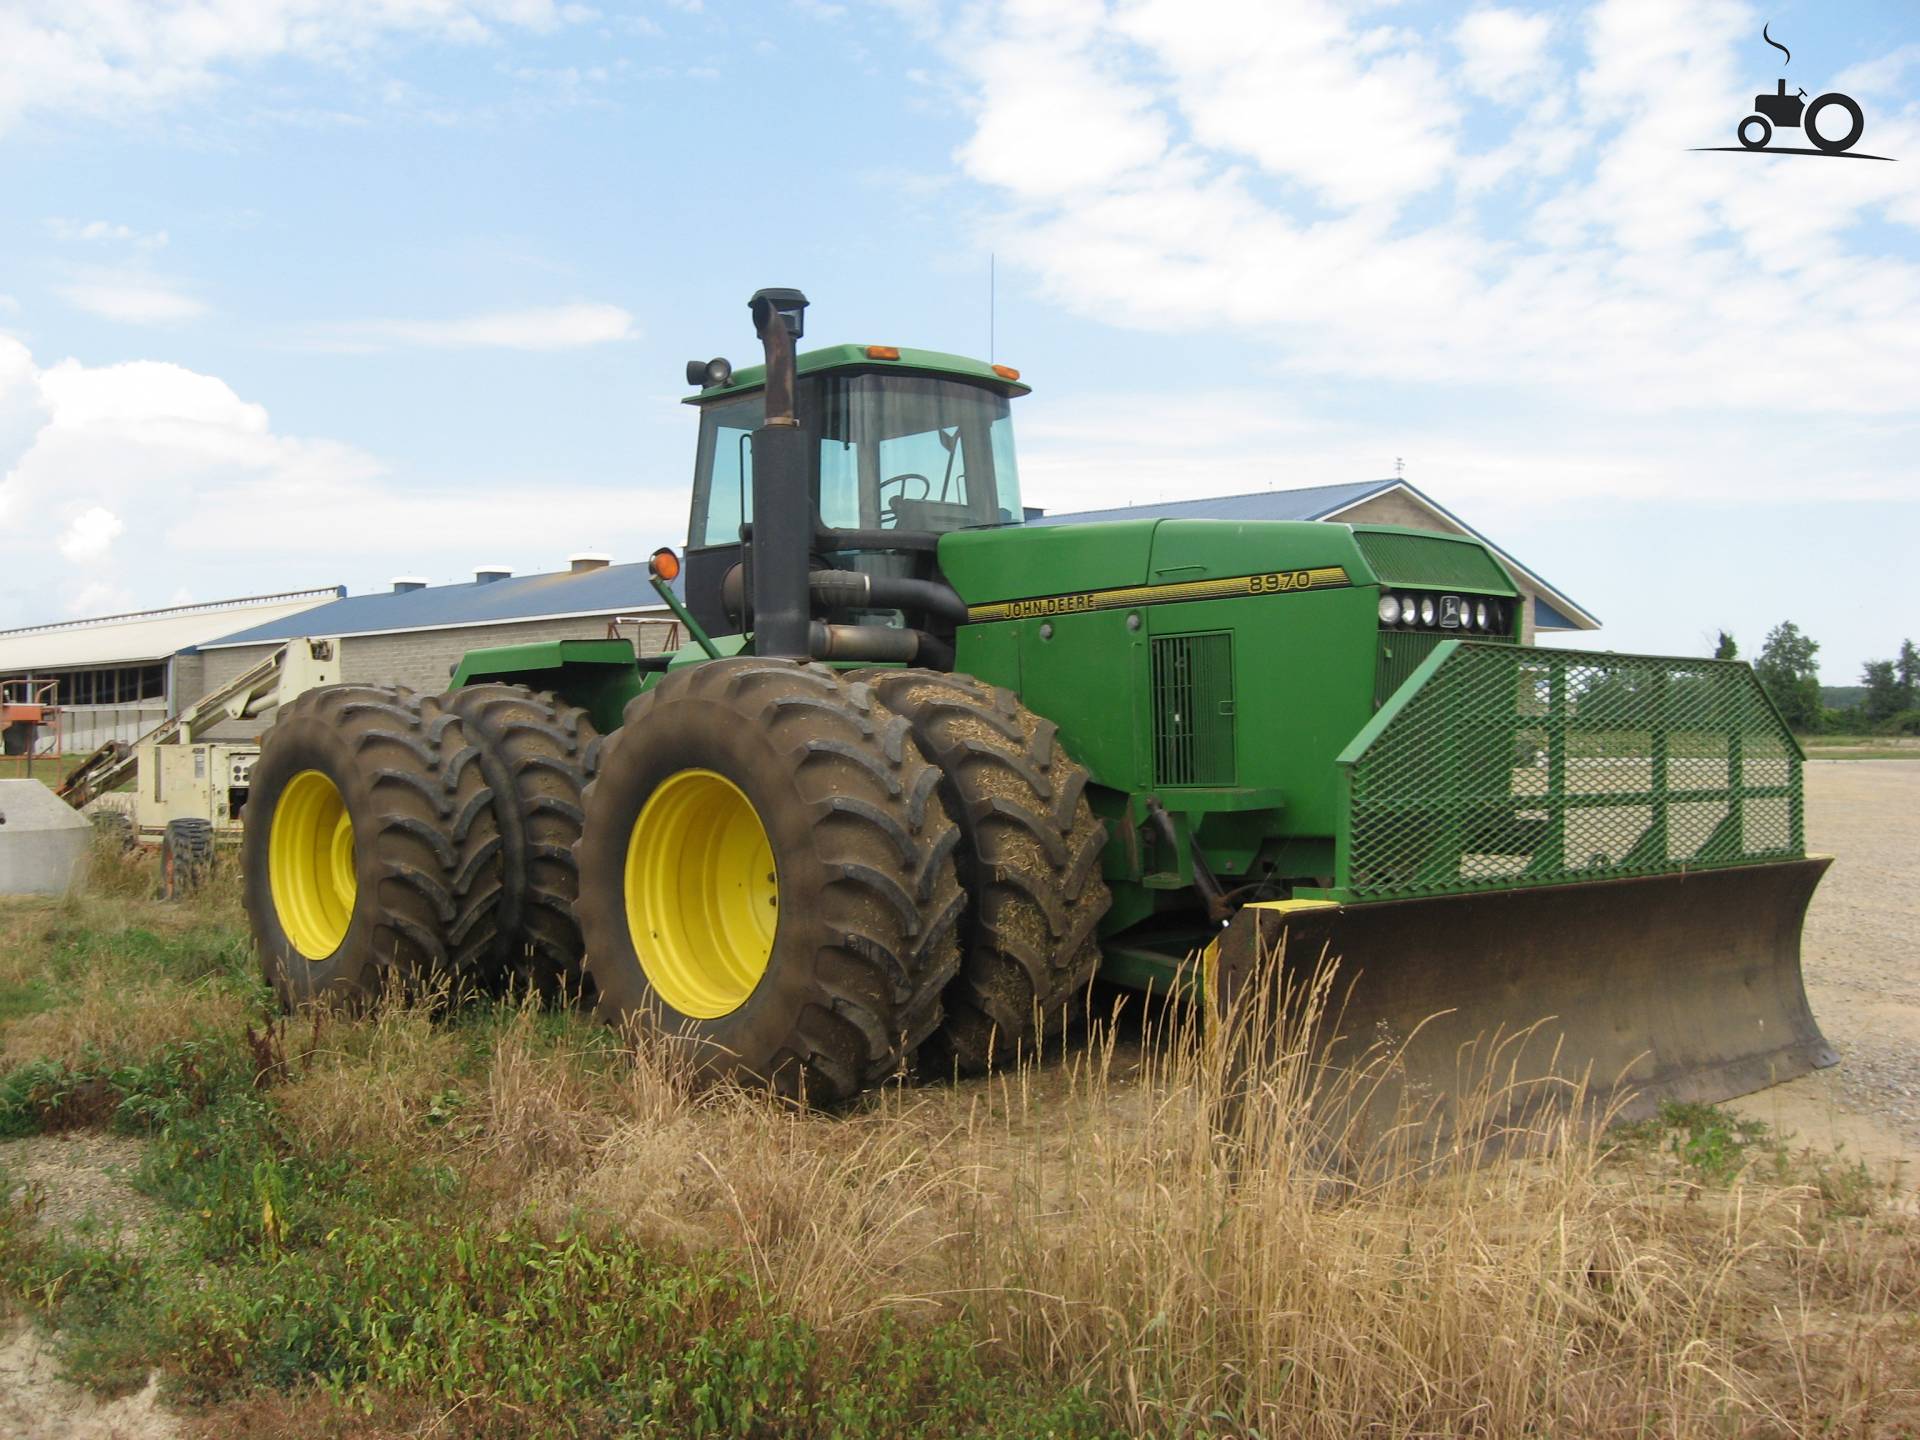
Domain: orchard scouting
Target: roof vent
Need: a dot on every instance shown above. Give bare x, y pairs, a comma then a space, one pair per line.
584, 560
403, 583
487, 574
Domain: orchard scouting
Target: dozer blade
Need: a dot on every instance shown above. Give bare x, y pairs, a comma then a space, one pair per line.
1669, 987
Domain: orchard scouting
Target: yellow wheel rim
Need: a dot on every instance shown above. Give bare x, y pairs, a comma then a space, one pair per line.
310, 864
702, 898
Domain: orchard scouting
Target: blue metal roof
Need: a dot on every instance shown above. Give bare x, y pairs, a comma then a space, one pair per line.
1311, 503
610, 590
1319, 502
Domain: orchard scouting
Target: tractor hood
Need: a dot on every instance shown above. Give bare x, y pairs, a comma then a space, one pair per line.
1069, 567
1077, 567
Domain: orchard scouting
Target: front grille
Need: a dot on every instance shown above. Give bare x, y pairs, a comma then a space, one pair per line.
1401, 652
1193, 709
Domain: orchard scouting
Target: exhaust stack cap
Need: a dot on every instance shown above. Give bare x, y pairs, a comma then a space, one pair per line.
789, 305
582, 561
487, 574
403, 583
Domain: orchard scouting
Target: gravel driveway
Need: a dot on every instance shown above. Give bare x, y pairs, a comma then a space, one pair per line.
1862, 961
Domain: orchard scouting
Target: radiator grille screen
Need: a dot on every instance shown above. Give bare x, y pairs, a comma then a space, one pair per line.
1193, 709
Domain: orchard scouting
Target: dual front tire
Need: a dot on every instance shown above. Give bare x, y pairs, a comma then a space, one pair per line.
767, 873
924, 841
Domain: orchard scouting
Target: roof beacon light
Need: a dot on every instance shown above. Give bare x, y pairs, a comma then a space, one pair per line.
1006, 372
883, 352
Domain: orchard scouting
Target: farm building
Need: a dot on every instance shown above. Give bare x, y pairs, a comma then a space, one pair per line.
1372, 502
415, 634
117, 676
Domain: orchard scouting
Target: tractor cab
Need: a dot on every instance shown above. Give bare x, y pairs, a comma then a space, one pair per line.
904, 446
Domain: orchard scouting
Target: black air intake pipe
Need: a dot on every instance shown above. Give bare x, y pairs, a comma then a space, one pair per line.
857, 590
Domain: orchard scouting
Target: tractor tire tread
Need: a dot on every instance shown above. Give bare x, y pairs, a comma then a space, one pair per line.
434, 847
540, 753
888, 905
1029, 860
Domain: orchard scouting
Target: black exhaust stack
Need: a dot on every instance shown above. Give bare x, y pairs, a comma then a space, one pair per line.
782, 505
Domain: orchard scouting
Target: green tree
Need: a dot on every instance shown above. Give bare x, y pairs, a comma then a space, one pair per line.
1726, 649
1906, 669
1788, 671
1885, 698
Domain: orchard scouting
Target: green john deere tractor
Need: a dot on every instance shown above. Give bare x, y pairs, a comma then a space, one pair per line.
925, 771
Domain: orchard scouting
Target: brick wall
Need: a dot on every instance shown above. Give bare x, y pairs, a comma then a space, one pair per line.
1399, 508
420, 659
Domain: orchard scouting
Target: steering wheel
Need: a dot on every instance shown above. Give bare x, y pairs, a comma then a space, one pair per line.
900, 480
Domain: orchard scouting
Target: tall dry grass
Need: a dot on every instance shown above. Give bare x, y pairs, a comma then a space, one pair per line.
1218, 1246
1198, 1225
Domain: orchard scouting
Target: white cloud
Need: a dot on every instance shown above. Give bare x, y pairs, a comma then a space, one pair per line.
1503, 52
193, 487
552, 327
1359, 114
99, 597
97, 231
91, 534
132, 299
1588, 260
112, 59
1884, 77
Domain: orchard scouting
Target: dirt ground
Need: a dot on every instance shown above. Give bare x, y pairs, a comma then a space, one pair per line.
81, 1185
1862, 959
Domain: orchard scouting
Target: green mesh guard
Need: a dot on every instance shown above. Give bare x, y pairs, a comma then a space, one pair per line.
1499, 766
1432, 561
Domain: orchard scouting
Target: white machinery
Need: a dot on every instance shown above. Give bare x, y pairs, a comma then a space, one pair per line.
191, 790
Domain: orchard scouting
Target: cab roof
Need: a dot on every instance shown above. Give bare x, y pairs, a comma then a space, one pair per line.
855, 357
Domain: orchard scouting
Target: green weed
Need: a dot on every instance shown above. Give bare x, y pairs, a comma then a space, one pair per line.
1712, 1145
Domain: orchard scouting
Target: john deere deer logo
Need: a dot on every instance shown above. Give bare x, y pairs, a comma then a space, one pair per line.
1820, 121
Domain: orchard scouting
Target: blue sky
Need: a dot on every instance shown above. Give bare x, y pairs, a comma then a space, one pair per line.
299, 292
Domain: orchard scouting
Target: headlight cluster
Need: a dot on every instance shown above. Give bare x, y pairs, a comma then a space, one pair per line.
1470, 614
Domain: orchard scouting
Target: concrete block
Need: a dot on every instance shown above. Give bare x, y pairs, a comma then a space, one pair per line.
44, 842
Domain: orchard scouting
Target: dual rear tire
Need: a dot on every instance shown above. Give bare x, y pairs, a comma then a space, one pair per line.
816, 881
401, 840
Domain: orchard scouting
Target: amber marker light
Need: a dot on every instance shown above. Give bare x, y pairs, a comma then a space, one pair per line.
664, 563
1006, 372
883, 352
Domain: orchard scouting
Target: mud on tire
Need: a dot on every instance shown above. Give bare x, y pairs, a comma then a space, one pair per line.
537, 754
425, 850
868, 901
1029, 862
